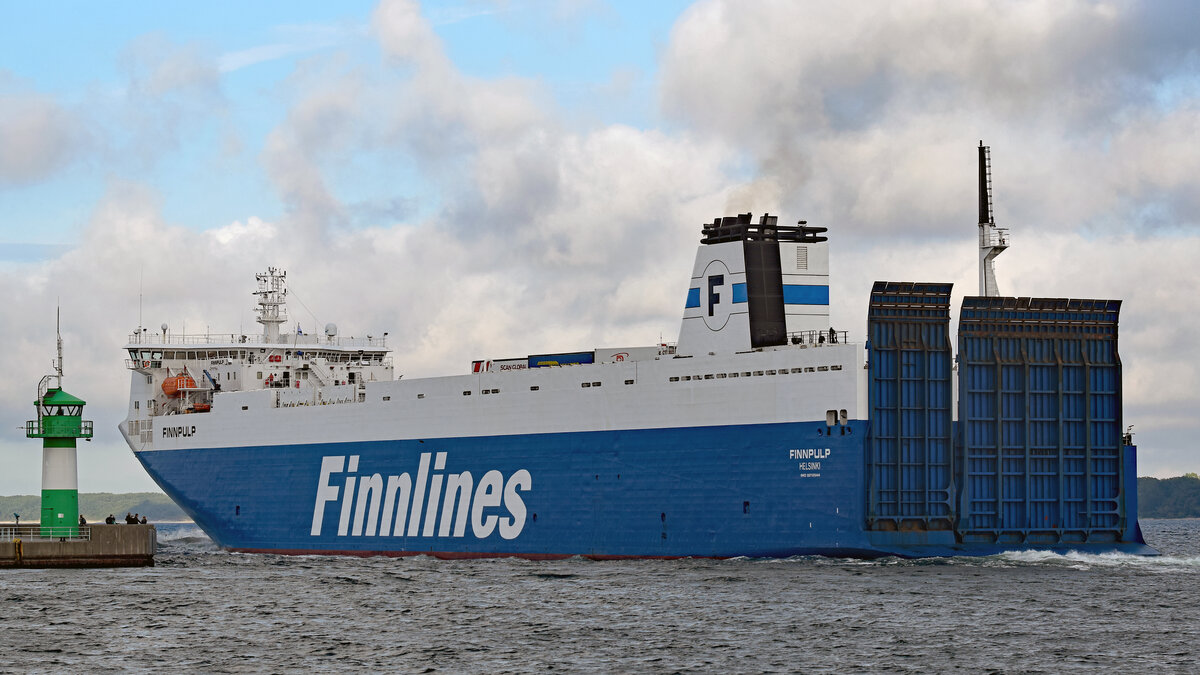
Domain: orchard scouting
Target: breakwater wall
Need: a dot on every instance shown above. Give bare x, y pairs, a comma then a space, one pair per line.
93, 546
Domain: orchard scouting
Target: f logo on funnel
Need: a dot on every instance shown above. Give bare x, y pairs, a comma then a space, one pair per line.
717, 291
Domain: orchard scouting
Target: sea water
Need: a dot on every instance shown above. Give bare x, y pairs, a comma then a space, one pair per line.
201, 609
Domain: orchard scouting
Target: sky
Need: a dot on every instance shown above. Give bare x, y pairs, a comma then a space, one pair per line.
497, 178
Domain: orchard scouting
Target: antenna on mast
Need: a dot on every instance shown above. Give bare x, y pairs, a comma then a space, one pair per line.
141, 274
58, 365
992, 240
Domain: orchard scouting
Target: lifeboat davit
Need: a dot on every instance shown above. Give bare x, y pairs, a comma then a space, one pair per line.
173, 386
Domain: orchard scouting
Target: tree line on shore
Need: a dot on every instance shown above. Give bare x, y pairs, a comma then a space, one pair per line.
96, 506
1177, 497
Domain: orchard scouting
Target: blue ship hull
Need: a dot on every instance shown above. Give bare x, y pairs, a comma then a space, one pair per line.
767, 490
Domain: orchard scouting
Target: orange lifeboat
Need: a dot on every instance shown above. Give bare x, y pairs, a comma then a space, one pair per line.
173, 386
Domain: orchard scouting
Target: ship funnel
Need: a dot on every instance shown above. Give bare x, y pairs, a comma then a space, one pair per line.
992, 240
755, 285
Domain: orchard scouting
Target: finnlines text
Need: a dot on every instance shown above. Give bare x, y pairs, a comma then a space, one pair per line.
399, 506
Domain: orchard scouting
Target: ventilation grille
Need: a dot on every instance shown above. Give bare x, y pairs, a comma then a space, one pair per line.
802, 258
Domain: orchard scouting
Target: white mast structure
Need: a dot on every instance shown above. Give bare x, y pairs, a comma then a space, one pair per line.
992, 240
272, 299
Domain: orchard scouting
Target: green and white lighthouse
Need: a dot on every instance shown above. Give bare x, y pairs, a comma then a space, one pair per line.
59, 423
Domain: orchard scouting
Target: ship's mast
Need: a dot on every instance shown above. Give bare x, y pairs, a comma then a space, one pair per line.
272, 299
992, 240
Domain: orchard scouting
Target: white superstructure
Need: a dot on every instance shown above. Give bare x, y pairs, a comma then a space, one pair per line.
195, 391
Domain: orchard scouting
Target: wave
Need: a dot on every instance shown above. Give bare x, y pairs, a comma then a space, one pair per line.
1078, 560
177, 531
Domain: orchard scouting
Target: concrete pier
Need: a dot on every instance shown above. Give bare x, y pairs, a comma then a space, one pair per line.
93, 546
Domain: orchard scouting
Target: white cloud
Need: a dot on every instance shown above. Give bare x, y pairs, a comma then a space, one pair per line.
38, 135
861, 111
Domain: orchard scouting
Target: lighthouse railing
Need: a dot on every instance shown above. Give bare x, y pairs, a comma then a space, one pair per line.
67, 426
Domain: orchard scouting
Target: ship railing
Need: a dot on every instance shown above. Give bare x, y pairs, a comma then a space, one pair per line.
148, 338
818, 337
46, 533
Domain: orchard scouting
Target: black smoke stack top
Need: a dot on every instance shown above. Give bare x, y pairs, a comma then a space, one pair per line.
740, 228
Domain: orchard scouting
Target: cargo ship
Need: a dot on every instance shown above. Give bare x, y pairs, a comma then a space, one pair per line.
762, 431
